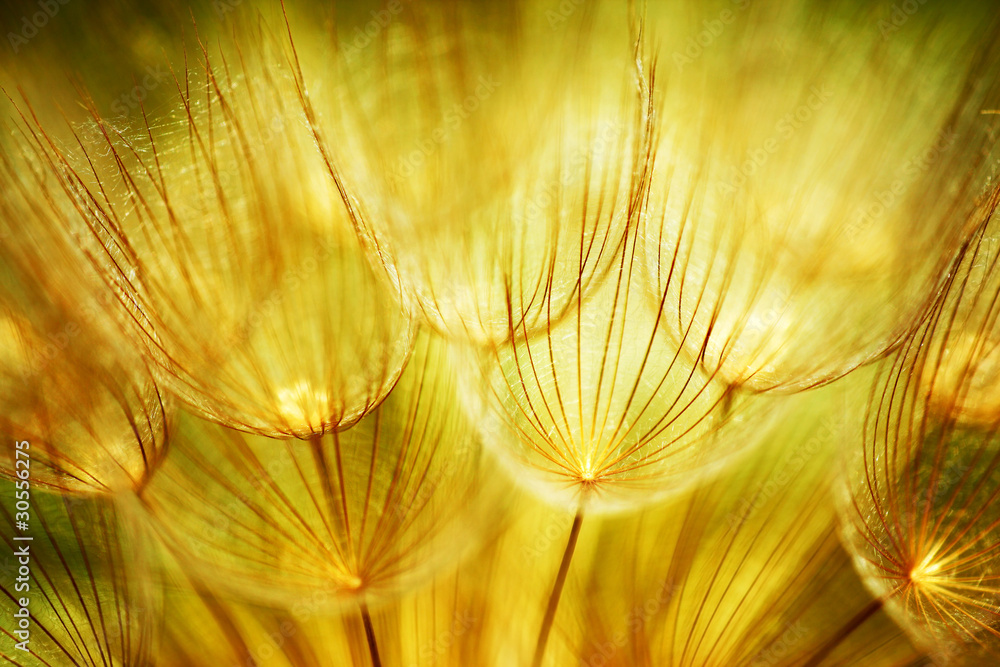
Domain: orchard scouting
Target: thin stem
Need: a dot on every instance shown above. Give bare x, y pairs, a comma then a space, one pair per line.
844, 633
333, 507
550, 611
366, 618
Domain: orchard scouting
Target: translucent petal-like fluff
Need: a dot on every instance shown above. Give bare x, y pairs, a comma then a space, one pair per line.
605, 411
921, 509
804, 209
496, 169
70, 383
355, 515
220, 223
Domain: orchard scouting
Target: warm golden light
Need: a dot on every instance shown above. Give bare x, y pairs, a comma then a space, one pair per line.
499, 333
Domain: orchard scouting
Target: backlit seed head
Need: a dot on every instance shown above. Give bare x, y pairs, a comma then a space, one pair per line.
90, 592
801, 221
604, 411
363, 513
219, 224
921, 510
488, 249
94, 425
70, 384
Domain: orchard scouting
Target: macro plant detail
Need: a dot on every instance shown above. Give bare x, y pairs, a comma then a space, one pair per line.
499, 333
151, 199
546, 216
921, 515
776, 201
354, 517
734, 591
95, 595
68, 380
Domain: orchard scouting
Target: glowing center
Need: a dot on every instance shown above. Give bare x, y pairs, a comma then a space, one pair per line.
926, 570
300, 403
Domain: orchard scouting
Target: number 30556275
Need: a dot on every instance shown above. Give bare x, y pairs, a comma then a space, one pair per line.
22, 465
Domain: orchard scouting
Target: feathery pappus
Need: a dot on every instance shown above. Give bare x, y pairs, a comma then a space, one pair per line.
502, 333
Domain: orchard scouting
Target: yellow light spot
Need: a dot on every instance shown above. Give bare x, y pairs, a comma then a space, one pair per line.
303, 404
926, 570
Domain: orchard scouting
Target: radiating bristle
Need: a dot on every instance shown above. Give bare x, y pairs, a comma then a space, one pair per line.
350, 516
604, 411
500, 333
533, 225
804, 209
250, 292
922, 506
69, 383
91, 597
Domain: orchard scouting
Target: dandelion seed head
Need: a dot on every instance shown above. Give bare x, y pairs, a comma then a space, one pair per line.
370, 511
305, 408
532, 228
965, 385
96, 420
925, 573
923, 518
225, 233
604, 412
